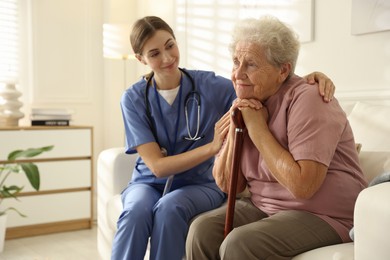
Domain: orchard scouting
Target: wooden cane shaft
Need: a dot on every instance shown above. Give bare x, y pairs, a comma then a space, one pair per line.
233, 184
235, 168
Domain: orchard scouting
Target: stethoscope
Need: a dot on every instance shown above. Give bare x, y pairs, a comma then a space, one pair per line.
193, 95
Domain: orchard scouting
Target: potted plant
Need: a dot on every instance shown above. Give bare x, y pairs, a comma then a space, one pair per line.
12, 166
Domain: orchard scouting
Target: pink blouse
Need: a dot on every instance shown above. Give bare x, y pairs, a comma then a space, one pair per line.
311, 130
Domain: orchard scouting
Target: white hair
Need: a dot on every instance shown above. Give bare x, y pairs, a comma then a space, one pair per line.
280, 43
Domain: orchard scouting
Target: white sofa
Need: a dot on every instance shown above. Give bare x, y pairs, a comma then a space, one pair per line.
372, 209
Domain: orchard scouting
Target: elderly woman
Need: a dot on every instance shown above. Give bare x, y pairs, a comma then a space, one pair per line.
299, 160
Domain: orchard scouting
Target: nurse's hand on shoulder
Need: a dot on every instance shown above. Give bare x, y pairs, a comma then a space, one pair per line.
325, 84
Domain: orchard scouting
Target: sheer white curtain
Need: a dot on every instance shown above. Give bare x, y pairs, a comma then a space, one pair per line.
9, 40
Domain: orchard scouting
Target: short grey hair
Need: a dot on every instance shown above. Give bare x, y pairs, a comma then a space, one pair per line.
280, 42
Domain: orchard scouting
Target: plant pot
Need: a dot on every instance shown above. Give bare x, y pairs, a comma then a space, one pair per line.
3, 227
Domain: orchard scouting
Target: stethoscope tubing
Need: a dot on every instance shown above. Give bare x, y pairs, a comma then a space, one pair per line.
196, 97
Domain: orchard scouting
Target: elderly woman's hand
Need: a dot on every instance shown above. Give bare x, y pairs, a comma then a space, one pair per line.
241, 103
253, 112
326, 86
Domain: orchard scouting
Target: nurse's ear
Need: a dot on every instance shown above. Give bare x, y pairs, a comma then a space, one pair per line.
140, 58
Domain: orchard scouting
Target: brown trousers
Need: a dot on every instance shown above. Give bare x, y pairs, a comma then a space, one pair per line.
255, 235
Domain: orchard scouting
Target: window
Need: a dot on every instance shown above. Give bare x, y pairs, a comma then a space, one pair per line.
9, 40
204, 27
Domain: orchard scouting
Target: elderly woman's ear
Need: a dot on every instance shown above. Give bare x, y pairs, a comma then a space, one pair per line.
285, 70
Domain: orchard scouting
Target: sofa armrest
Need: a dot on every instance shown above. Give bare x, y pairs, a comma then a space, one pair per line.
114, 169
372, 223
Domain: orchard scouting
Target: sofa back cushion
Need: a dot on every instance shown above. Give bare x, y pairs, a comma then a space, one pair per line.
374, 163
371, 126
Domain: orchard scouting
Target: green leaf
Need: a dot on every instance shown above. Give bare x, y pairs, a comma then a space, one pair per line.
17, 211
10, 191
32, 174
28, 153
14, 167
13, 155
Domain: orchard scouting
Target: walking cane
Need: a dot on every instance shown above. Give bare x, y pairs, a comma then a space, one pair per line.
237, 146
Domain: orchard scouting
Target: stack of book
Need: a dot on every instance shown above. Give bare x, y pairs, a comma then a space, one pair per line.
50, 116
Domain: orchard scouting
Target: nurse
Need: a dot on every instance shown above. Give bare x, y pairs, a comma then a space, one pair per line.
176, 120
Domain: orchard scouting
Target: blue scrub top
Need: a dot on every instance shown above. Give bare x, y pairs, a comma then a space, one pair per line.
216, 97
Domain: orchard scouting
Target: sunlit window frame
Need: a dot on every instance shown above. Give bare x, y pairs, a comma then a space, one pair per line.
10, 47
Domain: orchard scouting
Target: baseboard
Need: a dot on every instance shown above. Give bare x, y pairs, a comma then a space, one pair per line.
47, 228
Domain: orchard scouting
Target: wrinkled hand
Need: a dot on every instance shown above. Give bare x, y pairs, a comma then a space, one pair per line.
253, 112
251, 103
325, 84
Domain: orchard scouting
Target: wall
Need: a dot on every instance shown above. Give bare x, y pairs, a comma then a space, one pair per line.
115, 81
358, 65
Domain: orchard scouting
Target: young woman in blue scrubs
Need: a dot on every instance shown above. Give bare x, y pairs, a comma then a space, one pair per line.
176, 120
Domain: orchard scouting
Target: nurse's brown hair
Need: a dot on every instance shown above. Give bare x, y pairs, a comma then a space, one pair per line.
144, 28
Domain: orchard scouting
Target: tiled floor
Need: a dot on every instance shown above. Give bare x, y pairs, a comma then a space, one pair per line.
76, 245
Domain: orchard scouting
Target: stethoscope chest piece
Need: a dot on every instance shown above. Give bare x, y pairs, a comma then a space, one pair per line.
164, 152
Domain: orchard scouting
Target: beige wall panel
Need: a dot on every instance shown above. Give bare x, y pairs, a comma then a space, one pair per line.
61, 53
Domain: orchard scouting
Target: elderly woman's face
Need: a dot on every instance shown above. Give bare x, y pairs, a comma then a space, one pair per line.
252, 75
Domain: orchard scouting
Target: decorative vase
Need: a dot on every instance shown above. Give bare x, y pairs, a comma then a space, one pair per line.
3, 227
9, 105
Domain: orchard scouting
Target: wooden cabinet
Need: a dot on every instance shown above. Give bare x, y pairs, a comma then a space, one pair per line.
64, 201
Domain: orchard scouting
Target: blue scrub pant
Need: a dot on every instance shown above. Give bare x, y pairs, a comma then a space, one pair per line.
165, 220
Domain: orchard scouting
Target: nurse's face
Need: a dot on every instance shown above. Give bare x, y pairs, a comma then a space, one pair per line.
161, 53
252, 75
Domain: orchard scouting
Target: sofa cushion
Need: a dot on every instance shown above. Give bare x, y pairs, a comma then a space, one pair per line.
374, 163
370, 126
340, 252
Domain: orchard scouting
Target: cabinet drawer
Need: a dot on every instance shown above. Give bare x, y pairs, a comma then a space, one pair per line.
72, 142
56, 175
49, 208
64, 200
